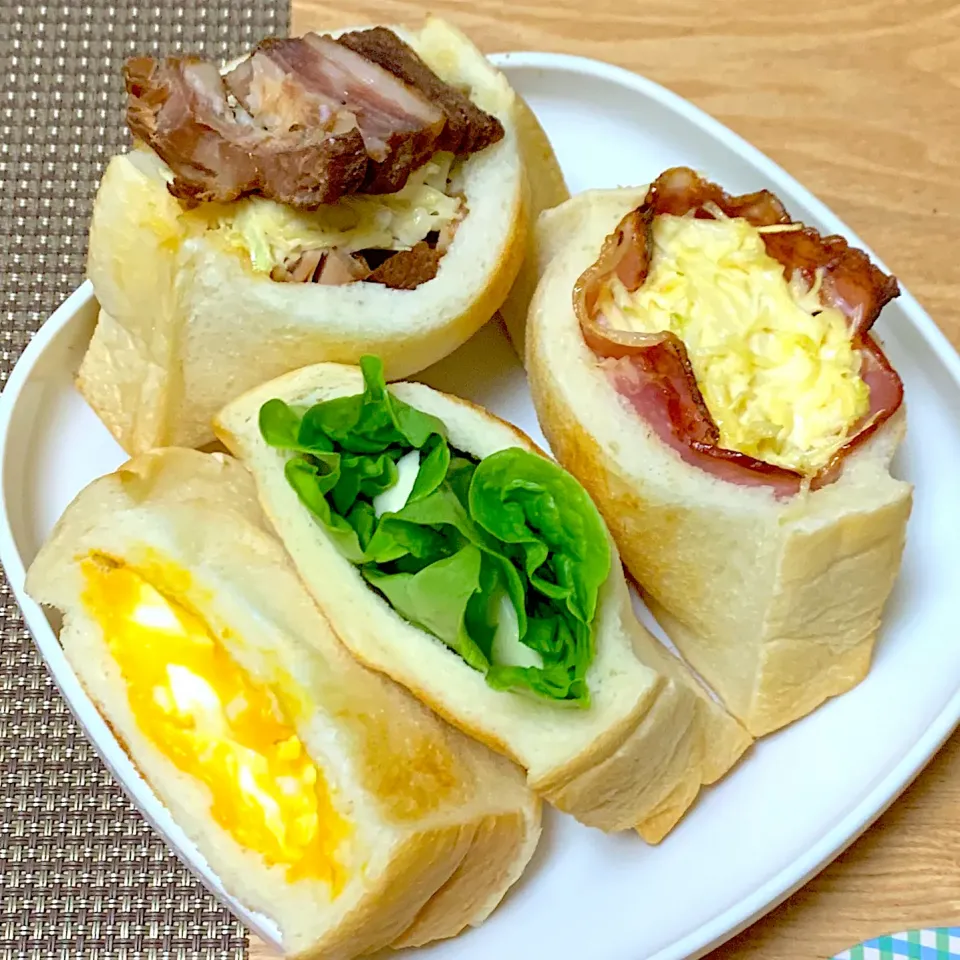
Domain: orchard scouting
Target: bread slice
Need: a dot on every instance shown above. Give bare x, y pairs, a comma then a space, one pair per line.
429, 828
775, 603
548, 189
636, 758
186, 325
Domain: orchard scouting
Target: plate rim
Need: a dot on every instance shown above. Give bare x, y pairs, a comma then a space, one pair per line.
772, 892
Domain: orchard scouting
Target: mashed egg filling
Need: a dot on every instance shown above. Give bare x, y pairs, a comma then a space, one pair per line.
777, 370
216, 723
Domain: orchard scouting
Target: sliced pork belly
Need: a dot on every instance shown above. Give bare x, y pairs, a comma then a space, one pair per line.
468, 128
303, 121
179, 107
399, 125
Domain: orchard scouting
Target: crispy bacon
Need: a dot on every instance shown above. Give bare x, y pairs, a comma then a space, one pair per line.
655, 381
679, 190
653, 371
851, 283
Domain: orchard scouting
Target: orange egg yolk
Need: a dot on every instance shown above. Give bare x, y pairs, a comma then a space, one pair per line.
216, 723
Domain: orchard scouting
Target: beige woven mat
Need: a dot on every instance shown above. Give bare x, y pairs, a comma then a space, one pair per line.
81, 874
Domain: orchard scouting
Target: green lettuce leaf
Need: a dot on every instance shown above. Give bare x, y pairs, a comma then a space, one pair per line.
434, 466
513, 524
436, 599
521, 498
370, 422
311, 484
551, 683
368, 475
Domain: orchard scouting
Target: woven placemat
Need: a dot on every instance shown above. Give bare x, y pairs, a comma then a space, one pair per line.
81, 873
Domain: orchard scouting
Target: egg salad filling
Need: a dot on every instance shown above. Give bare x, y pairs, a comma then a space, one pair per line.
267, 234
777, 370
217, 724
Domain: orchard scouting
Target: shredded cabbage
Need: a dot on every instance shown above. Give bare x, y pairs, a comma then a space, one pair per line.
778, 371
269, 234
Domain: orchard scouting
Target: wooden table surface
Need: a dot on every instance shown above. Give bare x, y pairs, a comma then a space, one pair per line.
860, 100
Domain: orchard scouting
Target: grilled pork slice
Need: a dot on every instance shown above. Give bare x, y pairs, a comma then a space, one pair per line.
193, 312
313, 120
179, 107
468, 128
328, 83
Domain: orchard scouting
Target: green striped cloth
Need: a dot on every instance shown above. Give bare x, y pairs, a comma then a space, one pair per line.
939, 943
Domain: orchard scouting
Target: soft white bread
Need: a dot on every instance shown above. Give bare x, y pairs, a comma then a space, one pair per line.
776, 604
437, 827
187, 325
636, 758
548, 189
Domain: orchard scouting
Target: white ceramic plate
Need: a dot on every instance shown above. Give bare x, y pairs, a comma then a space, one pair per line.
801, 795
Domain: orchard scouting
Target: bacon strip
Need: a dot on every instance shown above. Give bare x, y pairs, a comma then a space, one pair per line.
851, 283
653, 371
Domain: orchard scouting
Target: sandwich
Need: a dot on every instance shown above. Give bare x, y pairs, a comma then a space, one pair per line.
705, 366
324, 197
324, 796
452, 555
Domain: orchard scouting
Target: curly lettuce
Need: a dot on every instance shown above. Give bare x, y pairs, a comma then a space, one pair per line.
502, 559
